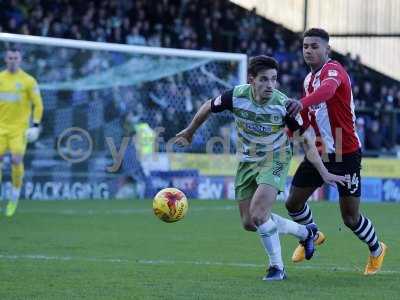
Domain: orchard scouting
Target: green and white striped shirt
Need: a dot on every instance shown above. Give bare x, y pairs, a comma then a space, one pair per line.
260, 127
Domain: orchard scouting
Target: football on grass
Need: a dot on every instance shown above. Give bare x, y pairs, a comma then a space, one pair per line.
170, 205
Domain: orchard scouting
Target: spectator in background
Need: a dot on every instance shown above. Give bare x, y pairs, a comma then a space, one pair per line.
397, 98
374, 138
158, 96
356, 97
188, 104
228, 133
131, 166
367, 95
135, 38
158, 121
385, 129
171, 123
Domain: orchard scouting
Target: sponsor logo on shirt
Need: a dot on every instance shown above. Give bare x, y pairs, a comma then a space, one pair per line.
259, 128
276, 119
9, 97
277, 169
332, 73
318, 106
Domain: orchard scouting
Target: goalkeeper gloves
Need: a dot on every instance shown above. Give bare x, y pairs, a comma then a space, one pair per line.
32, 134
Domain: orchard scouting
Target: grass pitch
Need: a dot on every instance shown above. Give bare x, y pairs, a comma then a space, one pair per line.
119, 250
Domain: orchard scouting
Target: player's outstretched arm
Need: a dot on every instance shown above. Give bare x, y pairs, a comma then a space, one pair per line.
184, 137
322, 94
308, 142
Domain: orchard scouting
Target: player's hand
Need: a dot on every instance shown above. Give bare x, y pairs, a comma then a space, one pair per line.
293, 107
184, 138
333, 179
32, 134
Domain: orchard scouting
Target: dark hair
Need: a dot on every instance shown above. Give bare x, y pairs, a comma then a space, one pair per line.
319, 32
13, 48
260, 63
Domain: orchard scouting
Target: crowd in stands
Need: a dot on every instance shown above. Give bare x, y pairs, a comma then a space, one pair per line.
217, 25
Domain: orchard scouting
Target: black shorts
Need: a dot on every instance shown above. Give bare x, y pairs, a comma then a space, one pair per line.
349, 166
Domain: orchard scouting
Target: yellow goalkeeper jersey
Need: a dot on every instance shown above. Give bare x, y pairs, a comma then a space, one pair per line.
19, 92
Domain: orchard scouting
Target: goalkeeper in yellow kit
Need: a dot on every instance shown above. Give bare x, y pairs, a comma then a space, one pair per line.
19, 94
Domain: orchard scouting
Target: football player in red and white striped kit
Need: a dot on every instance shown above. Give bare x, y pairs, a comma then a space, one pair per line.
328, 108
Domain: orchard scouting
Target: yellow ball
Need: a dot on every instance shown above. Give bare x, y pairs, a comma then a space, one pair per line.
170, 205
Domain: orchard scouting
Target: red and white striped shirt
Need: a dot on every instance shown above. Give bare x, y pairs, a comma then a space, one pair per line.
333, 118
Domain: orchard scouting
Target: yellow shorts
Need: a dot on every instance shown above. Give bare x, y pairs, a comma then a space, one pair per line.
14, 142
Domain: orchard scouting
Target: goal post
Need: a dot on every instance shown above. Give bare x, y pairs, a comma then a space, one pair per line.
123, 48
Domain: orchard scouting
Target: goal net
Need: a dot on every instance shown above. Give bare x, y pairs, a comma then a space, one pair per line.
109, 103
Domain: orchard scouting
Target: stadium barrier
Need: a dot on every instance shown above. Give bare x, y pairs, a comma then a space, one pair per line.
380, 177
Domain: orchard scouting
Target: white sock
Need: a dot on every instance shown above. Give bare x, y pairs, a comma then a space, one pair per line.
270, 239
15, 194
286, 226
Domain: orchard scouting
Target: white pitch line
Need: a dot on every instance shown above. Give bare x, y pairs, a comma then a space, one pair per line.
127, 211
330, 268
61, 258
